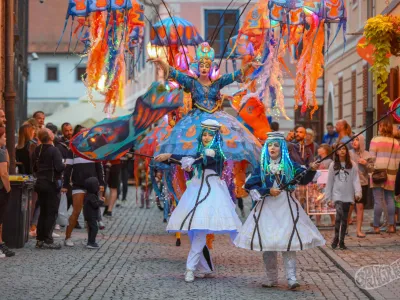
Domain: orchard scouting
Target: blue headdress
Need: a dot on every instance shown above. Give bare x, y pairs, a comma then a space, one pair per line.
212, 127
205, 54
286, 166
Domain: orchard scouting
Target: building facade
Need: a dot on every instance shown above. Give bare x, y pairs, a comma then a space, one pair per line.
346, 73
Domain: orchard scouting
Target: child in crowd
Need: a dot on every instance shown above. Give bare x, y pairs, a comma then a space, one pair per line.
91, 210
343, 188
323, 151
365, 165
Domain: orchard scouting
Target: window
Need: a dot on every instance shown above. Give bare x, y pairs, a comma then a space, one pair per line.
219, 26
52, 73
365, 92
353, 98
80, 72
340, 96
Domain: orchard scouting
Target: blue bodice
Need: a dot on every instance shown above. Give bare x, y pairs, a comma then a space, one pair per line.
255, 181
204, 97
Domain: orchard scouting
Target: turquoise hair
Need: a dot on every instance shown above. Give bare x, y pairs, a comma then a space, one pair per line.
285, 165
216, 145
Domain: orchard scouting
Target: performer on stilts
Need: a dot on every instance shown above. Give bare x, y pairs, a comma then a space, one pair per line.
278, 223
205, 87
206, 205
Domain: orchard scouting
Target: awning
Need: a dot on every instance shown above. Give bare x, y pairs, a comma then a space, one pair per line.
84, 113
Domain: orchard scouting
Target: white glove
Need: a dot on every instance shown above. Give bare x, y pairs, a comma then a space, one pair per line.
210, 152
255, 195
187, 162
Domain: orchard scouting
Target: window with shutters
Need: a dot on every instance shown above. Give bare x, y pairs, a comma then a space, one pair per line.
353, 98
218, 26
340, 95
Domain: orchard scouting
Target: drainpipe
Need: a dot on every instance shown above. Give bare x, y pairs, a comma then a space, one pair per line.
9, 89
370, 103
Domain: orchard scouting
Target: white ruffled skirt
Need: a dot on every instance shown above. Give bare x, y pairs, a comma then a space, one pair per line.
276, 227
214, 214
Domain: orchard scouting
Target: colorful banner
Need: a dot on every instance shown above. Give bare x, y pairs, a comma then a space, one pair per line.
315, 196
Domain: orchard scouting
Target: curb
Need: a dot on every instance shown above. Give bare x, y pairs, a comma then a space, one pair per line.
348, 270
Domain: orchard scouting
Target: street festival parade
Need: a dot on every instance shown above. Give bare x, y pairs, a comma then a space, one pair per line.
168, 149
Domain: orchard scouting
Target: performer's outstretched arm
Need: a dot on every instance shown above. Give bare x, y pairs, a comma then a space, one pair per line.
184, 80
237, 76
307, 178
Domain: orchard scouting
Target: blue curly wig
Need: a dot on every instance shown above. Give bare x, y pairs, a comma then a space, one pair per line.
216, 145
285, 165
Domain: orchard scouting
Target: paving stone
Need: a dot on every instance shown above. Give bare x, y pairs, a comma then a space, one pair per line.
139, 260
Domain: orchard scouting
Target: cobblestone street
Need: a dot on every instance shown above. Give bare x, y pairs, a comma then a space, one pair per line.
383, 249
139, 260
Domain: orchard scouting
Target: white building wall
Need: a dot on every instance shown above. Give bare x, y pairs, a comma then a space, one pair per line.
52, 95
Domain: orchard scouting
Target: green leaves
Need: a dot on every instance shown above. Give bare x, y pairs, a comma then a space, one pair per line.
380, 31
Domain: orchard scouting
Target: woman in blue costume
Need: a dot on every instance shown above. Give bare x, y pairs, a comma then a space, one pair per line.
239, 143
278, 223
206, 205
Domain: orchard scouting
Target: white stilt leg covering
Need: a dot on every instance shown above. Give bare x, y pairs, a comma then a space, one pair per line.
271, 266
289, 260
196, 260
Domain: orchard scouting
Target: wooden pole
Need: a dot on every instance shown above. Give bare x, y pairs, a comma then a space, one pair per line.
9, 89
2, 51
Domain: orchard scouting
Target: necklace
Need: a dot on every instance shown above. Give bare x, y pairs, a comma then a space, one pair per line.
274, 166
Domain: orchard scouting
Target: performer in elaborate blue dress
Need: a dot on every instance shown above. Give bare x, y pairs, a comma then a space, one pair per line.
206, 205
278, 223
239, 143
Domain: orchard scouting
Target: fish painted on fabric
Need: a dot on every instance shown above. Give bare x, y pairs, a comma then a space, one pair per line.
111, 138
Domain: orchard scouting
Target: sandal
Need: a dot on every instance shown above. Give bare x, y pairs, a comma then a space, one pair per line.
391, 229
375, 230
361, 236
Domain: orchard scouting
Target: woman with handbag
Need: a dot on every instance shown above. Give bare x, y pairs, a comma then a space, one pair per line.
365, 164
385, 150
48, 167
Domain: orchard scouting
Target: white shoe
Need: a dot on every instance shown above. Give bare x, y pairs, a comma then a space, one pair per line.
55, 235
189, 276
2, 255
293, 284
57, 227
68, 243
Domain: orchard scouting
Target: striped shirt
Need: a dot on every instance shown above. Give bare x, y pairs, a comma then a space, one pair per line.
79, 169
385, 158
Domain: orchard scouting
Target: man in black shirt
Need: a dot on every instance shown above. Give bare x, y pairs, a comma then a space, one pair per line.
62, 145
